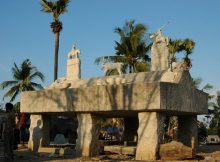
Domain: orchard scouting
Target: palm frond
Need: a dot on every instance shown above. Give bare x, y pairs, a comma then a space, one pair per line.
36, 85
14, 95
104, 59
6, 84
12, 91
36, 75
23, 76
46, 6
207, 87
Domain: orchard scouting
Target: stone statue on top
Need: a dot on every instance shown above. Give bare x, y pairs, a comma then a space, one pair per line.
159, 51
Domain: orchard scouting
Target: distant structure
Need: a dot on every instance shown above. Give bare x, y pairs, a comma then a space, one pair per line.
73, 64
159, 51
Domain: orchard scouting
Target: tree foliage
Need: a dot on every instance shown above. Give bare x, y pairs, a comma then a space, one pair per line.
132, 49
24, 77
181, 45
55, 7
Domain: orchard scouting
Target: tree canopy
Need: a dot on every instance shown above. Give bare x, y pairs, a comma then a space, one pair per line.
132, 49
24, 77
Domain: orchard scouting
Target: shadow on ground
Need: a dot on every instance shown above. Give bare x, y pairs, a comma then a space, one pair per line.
205, 153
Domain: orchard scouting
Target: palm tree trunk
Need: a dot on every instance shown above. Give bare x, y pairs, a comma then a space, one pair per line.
56, 55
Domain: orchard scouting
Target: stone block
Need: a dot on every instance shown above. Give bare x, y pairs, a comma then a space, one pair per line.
88, 134
150, 134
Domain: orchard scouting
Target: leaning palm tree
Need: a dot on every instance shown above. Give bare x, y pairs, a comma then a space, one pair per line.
56, 8
132, 49
23, 80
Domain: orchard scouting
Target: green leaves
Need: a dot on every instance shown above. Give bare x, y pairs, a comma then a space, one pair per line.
23, 79
181, 45
55, 7
132, 45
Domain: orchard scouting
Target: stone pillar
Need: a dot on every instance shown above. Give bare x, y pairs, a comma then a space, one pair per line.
187, 130
39, 132
73, 69
150, 134
87, 135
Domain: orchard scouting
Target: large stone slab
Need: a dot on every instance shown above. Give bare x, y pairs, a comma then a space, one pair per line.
153, 91
175, 151
123, 150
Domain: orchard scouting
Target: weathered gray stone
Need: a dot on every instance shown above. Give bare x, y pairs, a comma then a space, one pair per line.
159, 52
162, 91
124, 150
150, 134
73, 69
88, 134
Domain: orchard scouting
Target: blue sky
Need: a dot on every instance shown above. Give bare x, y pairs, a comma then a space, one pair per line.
25, 33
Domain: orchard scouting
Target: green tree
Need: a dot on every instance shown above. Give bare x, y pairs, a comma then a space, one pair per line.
56, 8
215, 115
23, 80
179, 45
132, 49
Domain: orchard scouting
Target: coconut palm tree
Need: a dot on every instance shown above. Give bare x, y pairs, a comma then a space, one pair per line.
23, 80
132, 49
188, 46
56, 8
174, 47
181, 45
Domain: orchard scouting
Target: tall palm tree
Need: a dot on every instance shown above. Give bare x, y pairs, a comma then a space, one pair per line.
132, 49
56, 8
23, 80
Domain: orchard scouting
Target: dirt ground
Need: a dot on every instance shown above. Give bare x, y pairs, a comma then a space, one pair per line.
206, 153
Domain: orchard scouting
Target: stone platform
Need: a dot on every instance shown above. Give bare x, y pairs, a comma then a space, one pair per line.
149, 97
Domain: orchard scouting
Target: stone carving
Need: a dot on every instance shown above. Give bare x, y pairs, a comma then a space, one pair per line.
159, 38
118, 66
74, 53
159, 51
60, 83
180, 65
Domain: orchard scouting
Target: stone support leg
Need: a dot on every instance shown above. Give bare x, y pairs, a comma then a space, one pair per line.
88, 134
187, 130
39, 132
150, 133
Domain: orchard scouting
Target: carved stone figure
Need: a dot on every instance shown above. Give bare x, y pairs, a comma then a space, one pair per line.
118, 66
159, 51
74, 53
